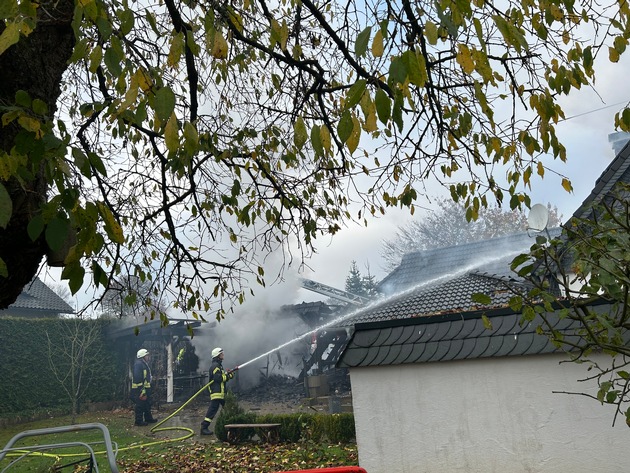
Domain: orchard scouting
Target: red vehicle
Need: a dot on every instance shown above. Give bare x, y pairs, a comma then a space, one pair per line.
340, 469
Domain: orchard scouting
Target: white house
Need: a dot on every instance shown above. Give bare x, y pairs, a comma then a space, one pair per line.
438, 387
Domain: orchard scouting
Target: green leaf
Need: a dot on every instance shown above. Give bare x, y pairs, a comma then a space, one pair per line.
6, 206
23, 99
99, 275
487, 323
316, 141
383, 106
35, 227
8, 8
40, 107
164, 104
355, 93
171, 134
74, 274
56, 233
4, 272
344, 128
97, 163
360, 47
481, 298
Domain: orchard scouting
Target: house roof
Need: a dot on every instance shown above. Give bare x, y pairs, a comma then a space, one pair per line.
38, 299
617, 171
439, 296
491, 256
403, 330
451, 337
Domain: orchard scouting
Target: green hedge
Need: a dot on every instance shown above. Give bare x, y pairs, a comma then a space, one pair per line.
27, 349
335, 428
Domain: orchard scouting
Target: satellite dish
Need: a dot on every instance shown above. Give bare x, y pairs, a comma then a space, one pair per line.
538, 218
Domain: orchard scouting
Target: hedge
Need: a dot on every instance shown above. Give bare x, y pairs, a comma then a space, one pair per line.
335, 428
28, 382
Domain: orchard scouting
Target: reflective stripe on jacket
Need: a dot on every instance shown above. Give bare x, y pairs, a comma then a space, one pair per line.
218, 378
141, 375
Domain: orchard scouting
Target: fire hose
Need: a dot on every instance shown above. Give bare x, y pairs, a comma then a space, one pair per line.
156, 428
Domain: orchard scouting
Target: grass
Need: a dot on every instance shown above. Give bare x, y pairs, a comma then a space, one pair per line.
141, 450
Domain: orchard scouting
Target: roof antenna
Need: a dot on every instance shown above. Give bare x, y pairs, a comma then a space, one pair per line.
537, 219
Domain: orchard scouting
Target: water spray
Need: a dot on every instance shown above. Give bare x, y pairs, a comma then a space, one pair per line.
378, 302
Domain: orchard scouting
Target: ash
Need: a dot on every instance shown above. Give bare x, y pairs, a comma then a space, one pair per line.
274, 389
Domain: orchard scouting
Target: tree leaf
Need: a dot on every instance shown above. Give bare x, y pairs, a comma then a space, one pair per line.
171, 134
355, 135
355, 93
316, 140
164, 103
56, 233
481, 298
383, 105
431, 32
377, 44
344, 128
6, 207
219, 46
10, 36
35, 227
361, 45
112, 227
4, 272
176, 50
566, 184
300, 135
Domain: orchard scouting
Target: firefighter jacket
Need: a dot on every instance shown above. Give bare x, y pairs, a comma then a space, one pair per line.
141, 381
218, 378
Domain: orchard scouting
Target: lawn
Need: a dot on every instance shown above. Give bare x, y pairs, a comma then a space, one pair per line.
167, 451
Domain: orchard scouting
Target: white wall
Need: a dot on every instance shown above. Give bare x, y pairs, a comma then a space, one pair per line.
488, 415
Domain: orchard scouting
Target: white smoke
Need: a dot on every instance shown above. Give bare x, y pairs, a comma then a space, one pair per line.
256, 327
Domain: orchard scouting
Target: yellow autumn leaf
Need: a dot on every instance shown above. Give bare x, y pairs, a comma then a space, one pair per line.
112, 227
613, 55
464, 58
541, 169
566, 184
176, 50
324, 136
355, 135
171, 134
284, 35
431, 32
9, 36
370, 117
377, 44
219, 46
144, 81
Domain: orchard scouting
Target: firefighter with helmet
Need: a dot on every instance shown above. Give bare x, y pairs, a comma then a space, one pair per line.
218, 378
140, 392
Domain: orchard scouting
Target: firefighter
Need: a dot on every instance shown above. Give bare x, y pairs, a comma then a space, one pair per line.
218, 378
140, 392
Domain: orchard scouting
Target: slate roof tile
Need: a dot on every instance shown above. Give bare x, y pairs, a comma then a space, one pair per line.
38, 298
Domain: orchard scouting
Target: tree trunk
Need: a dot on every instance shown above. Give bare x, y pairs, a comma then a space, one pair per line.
35, 64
